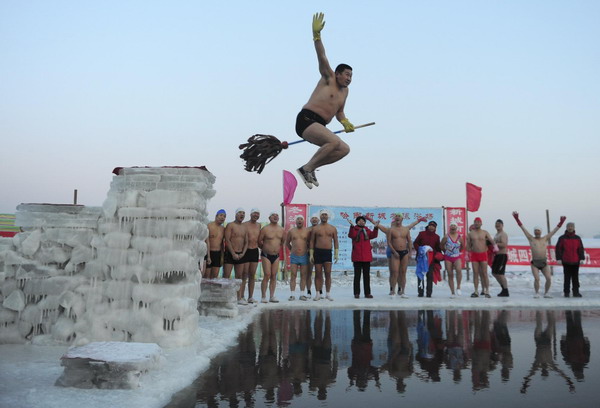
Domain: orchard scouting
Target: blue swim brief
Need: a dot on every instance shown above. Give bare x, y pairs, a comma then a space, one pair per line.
299, 259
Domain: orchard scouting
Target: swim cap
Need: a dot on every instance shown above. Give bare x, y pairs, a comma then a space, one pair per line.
537, 228
500, 221
256, 210
221, 211
240, 209
453, 223
299, 217
478, 219
273, 213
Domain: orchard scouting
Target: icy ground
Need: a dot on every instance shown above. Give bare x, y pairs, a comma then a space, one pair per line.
28, 372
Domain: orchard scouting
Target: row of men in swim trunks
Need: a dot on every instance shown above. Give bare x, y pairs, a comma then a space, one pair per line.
241, 245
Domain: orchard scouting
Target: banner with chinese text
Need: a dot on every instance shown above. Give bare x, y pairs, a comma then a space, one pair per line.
521, 255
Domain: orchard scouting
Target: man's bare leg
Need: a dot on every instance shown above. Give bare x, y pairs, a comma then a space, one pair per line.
450, 270
475, 266
394, 272
332, 148
402, 277
318, 280
485, 280
303, 277
293, 276
214, 272
548, 276
309, 278
273, 281
252, 266
327, 267
458, 268
240, 273
227, 270
536, 280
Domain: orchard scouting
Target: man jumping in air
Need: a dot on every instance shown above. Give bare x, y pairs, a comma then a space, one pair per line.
327, 100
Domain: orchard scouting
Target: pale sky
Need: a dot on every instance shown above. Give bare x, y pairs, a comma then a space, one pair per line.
503, 94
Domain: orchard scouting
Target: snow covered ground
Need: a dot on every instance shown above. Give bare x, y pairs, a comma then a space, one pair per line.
28, 372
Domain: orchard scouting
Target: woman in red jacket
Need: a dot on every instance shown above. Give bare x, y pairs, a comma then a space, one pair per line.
362, 253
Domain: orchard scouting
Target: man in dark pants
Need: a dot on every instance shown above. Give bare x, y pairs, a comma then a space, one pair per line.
570, 252
428, 237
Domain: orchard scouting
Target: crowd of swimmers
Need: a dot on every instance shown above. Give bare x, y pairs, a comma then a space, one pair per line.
241, 245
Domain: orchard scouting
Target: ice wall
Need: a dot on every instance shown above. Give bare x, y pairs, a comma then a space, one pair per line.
125, 272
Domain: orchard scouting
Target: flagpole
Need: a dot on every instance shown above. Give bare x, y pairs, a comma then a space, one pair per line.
467, 225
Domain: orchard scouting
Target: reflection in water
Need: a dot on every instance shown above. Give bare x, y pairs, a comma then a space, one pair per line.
292, 357
544, 357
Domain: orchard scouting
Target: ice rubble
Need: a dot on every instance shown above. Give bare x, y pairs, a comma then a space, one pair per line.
127, 271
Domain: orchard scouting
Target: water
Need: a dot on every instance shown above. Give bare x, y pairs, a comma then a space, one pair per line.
358, 358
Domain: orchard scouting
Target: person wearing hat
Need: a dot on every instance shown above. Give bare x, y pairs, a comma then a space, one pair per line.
362, 253
477, 246
252, 256
452, 246
570, 253
539, 254
270, 240
214, 246
428, 237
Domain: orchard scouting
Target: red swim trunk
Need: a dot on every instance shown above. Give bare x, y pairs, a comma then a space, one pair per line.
479, 256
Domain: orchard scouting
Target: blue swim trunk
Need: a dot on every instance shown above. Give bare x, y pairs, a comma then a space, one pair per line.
299, 259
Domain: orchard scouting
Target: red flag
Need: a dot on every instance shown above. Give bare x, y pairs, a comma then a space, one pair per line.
473, 197
289, 187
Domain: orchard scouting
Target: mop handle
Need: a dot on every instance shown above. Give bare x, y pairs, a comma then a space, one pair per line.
336, 132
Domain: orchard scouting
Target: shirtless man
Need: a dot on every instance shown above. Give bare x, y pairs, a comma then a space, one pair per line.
314, 221
236, 244
297, 245
252, 255
400, 243
501, 257
539, 250
270, 240
327, 100
477, 247
214, 246
321, 238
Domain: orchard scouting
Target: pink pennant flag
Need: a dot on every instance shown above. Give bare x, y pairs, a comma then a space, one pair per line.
289, 187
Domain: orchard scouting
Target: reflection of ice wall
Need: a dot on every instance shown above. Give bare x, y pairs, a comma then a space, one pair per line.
125, 272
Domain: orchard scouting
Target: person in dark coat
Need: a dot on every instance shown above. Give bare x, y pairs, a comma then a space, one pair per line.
362, 253
570, 252
430, 238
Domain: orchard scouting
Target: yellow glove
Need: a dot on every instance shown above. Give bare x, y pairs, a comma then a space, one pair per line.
335, 254
317, 25
348, 127
311, 256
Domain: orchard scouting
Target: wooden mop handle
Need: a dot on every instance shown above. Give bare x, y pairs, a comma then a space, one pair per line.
338, 131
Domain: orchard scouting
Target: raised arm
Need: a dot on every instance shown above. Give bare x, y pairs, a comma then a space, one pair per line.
520, 224
555, 230
411, 226
324, 68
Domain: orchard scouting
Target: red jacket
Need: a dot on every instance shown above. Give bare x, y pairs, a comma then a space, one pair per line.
361, 247
569, 249
427, 237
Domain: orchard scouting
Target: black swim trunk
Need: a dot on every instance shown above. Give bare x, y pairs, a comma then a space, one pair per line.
402, 253
306, 118
271, 258
215, 259
322, 256
539, 263
499, 264
228, 259
251, 255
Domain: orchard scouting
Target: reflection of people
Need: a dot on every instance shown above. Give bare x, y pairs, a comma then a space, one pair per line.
455, 343
539, 248
501, 350
574, 347
300, 339
361, 370
430, 352
323, 367
570, 252
323, 241
398, 237
452, 246
478, 254
270, 240
399, 363
252, 256
544, 358
482, 350
214, 246
362, 253
431, 239
268, 368
296, 243
327, 100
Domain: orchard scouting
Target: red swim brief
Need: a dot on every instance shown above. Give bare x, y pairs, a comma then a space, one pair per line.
479, 256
